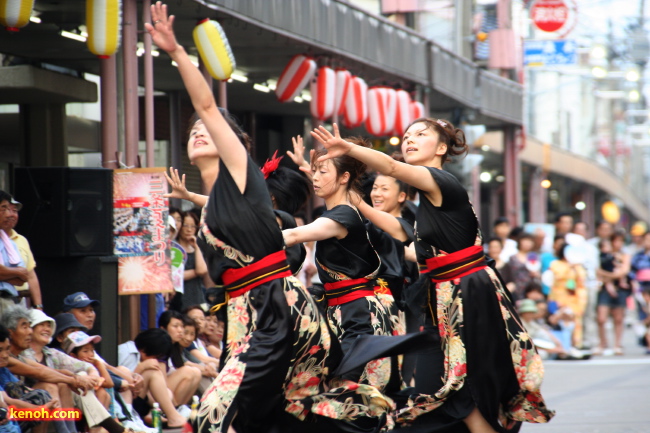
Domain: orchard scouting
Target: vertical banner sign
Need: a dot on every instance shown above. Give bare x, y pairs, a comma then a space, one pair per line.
141, 232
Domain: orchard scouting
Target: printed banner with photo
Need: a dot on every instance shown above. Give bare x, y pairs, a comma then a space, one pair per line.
141, 232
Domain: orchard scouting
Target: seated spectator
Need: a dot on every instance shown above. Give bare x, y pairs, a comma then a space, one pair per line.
30, 399
82, 307
547, 345
81, 346
187, 344
183, 380
212, 336
154, 346
198, 348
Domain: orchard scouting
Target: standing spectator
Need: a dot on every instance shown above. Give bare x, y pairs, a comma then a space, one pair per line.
195, 267
547, 258
12, 267
641, 269
638, 230
32, 286
563, 223
615, 289
591, 263
568, 292
494, 250
501, 229
604, 231
524, 266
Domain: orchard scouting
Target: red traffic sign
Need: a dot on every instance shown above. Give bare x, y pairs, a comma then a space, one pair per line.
549, 15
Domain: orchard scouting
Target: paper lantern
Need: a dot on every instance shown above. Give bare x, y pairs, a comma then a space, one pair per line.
417, 110
403, 112
295, 77
355, 109
391, 109
103, 25
14, 14
611, 212
214, 49
323, 93
343, 78
376, 121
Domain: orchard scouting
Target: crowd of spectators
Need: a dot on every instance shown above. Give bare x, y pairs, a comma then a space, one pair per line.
572, 289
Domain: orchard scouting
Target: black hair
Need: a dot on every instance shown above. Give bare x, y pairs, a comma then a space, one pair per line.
495, 239
5, 196
453, 137
154, 342
516, 232
289, 188
561, 215
167, 316
561, 252
4, 332
367, 181
188, 321
317, 212
346, 163
193, 307
173, 209
533, 286
501, 220
523, 236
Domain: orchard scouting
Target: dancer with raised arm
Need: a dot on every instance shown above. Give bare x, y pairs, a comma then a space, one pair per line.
347, 263
485, 372
279, 350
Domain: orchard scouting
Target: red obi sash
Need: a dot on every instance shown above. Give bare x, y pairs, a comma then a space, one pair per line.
238, 281
455, 265
345, 291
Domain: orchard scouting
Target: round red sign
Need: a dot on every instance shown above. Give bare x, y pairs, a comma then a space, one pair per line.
549, 15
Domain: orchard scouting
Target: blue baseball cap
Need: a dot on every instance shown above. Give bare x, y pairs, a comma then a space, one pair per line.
65, 321
78, 300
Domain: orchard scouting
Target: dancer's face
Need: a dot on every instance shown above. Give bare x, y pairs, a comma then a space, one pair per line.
421, 145
326, 179
200, 144
385, 194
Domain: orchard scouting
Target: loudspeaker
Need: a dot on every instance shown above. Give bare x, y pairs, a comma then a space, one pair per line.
66, 211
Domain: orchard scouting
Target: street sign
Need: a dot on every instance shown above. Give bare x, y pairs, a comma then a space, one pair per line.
549, 15
550, 53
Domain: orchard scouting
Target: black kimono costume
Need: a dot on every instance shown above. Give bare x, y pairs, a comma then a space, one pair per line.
485, 357
278, 349
348, 267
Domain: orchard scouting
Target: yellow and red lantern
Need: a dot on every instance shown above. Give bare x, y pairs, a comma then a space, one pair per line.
214, 49
103, 24
295, 77
355, 109
323, 93
14, 14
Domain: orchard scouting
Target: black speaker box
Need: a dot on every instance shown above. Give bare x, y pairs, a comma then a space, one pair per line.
66, 211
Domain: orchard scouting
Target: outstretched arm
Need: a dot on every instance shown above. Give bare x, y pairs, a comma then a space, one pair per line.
383, 220
231, 151
416, 176
321, 229
179, 190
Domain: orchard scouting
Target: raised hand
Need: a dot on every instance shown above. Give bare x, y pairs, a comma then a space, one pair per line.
161, 28
298, 154
177, 183
334, 144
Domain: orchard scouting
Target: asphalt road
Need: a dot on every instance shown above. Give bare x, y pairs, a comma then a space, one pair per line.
606, 394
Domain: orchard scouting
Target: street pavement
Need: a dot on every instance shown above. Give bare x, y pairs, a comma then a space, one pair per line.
605, 394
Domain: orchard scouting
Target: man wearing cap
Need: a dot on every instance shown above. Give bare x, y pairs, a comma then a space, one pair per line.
12, 268
32, 286
82, 307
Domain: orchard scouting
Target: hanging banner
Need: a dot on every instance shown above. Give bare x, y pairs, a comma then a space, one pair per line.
140, 231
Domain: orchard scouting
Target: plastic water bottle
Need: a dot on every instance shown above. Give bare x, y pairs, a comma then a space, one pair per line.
194, 407
156, 417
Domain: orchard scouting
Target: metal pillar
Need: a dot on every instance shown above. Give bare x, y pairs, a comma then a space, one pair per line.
148, 87
588, 214
512, 171
108, 89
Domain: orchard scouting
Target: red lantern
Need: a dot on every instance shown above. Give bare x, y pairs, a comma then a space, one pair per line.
323, 93
417, 110
295, 77
403, 114
356, 103
343, 79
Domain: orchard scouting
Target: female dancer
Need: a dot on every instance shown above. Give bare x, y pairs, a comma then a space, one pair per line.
278, 347
485, 371
347, 262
